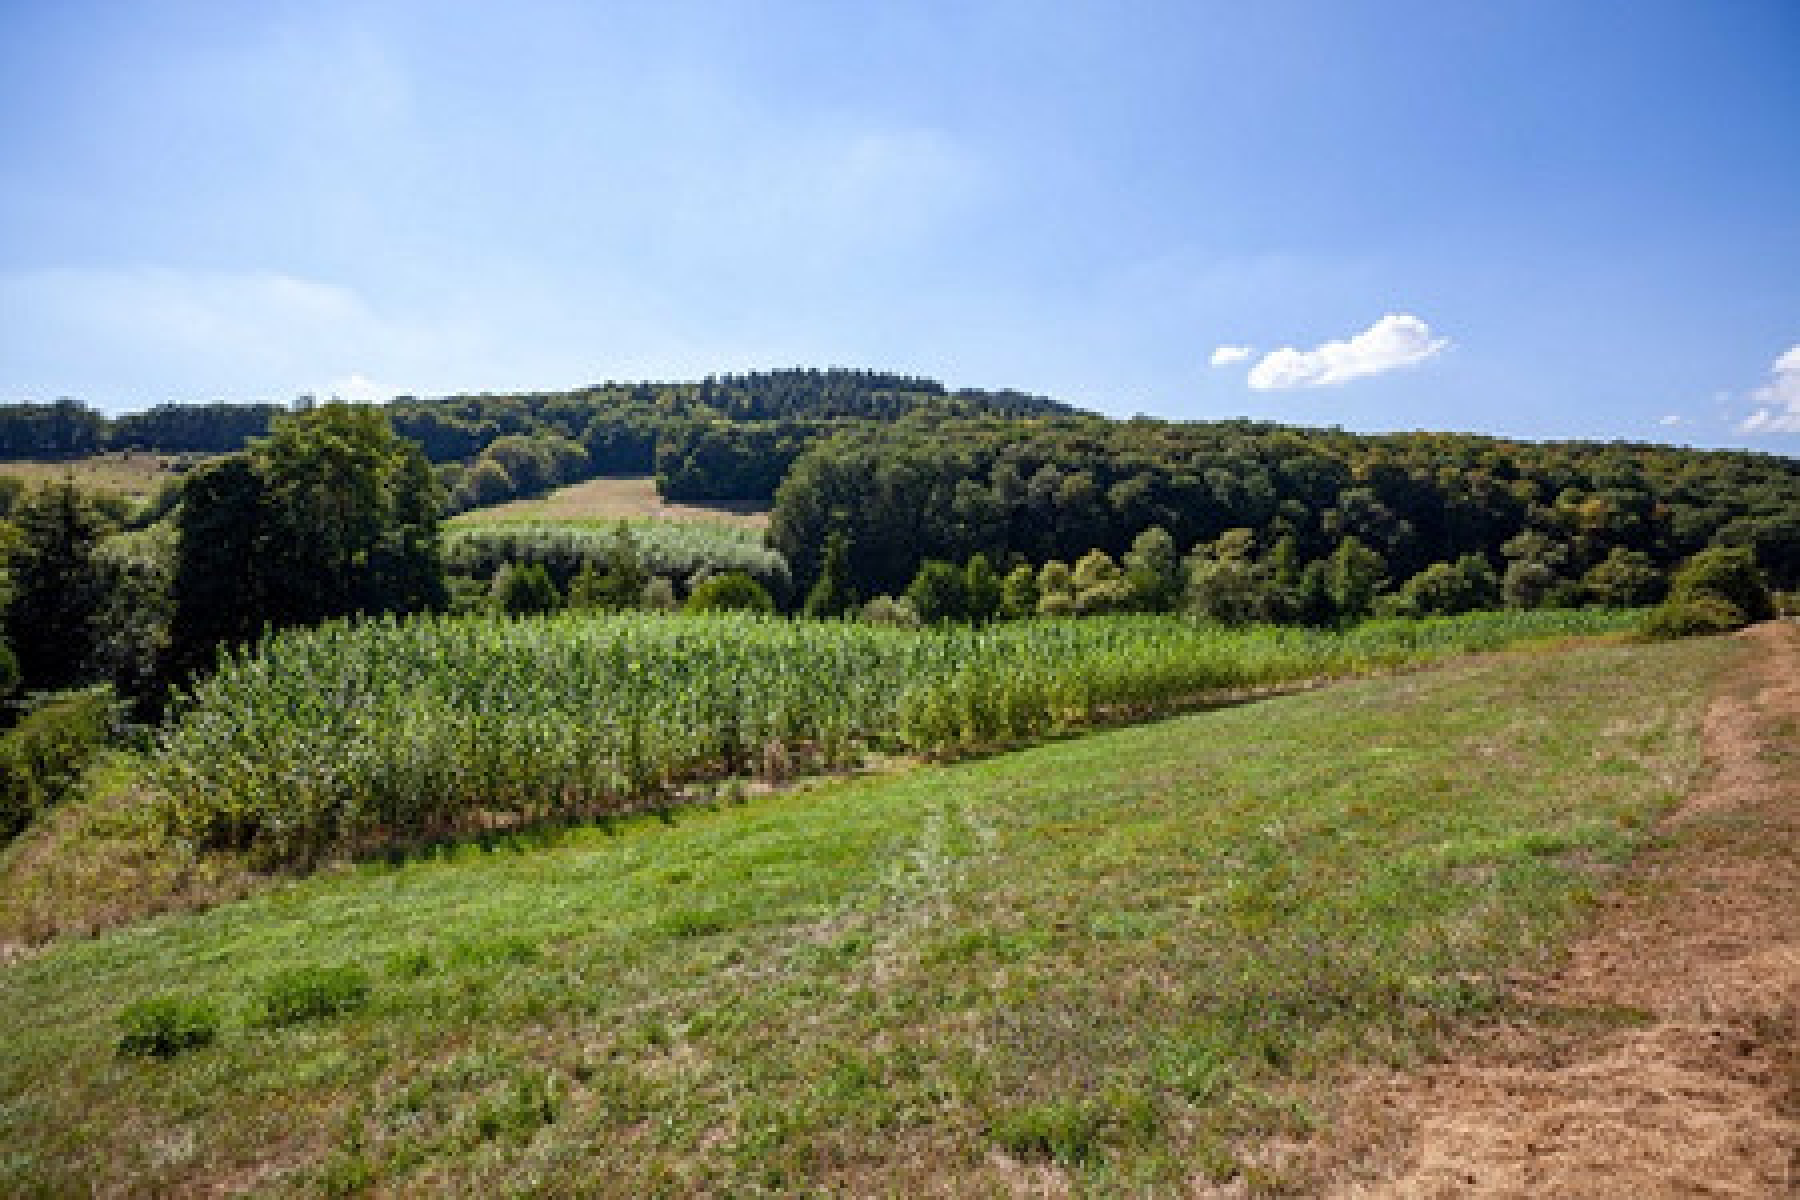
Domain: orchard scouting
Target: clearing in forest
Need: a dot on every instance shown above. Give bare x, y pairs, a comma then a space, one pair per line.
606, 500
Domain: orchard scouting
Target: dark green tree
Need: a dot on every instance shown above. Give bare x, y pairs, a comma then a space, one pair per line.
522, 590
56, 586
333, 515
939, 593
219, 577
1622, 579
982, 589
1153, 569
1019, 593
1357, 574
831, 595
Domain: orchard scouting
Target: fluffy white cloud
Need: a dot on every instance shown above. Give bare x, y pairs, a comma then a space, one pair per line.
1778, 401
1397, 340
1225, 356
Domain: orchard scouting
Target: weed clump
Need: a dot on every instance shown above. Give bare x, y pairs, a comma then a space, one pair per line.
1066, 1132
311, 993
166, 1025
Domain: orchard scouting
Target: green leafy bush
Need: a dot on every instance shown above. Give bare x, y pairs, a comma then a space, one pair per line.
167, 1025
311, 993
1715, 591
731, 592
1693, 616
41, 760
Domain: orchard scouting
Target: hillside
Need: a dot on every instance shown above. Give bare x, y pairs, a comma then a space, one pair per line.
1123, 962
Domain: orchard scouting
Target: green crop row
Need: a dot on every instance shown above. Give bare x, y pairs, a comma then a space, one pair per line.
350, 737
667, 548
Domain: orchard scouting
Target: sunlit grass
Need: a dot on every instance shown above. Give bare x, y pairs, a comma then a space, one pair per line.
1124, 958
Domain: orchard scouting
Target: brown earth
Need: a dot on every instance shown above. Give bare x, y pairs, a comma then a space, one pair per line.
1662, 1056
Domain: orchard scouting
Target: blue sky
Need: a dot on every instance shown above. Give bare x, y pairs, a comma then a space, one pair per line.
1569, 218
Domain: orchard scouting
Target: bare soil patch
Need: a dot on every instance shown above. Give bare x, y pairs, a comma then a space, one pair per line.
1661, 1057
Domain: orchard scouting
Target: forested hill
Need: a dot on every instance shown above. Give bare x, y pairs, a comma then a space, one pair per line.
454, 428
910, 470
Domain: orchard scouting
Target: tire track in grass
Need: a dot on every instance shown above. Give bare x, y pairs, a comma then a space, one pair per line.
1665, 1057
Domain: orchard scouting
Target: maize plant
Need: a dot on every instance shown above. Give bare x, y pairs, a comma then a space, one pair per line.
353, 736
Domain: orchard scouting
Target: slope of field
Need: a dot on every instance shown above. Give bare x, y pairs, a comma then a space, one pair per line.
605, 501
131, 473
1119, 962
1664, 1057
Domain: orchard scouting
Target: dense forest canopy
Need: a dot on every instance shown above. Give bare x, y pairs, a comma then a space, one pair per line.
908, 470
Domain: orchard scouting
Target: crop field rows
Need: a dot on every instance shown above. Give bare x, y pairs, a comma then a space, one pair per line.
356, 736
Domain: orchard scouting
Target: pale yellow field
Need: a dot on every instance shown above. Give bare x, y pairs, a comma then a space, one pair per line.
608, 500
132, 473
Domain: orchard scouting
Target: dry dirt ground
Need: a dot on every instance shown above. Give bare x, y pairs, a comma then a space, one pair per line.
1662, 1055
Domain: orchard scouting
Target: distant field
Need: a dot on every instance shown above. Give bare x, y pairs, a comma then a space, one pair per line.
1112, 965
607, 500
132, 473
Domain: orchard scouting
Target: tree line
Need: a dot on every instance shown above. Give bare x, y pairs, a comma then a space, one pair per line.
890, 494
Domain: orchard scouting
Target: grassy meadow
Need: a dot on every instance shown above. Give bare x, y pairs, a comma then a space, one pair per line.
135, 474
606, 502
1122, 962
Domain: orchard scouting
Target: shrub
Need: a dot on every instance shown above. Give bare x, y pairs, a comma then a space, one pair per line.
886, 610
41, 761
1715, 591
939, 593
309, 993
1693, 616
731, 591
1729, 574
522, 590
167, 1025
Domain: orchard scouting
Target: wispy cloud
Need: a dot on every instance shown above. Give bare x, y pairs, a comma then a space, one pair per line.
1777, 401
242, 335
1397, 340
1672, 419
1226, 356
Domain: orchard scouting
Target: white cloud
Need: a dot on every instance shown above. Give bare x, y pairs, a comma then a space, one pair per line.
1225, 356
1778, 401
1397, 340
357, 388
1673, 419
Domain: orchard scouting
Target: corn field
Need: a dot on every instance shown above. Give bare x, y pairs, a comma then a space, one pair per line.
674, 549
350, 737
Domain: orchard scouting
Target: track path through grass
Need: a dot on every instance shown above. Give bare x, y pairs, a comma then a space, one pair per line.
1697, 954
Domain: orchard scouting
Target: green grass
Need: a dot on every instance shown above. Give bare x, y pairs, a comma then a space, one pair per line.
1123, 957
